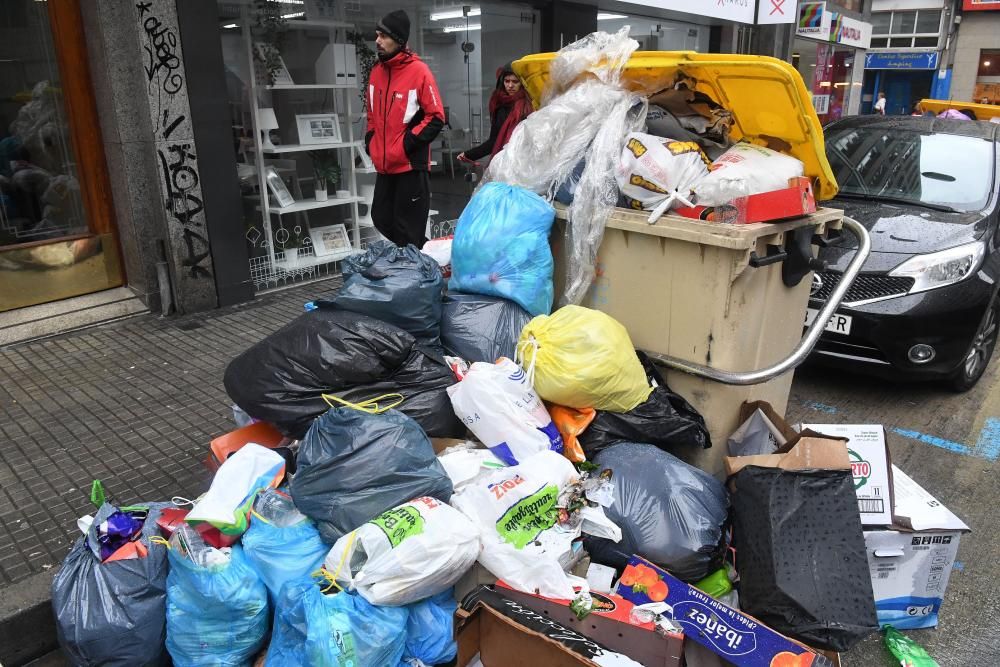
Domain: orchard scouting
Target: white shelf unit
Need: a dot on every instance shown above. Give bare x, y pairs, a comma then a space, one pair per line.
275, 268
303, 148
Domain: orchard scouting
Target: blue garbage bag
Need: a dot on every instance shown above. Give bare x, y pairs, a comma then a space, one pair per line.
283, 553
401, 286
501, 247
311, 628
430, 630
215, 615
113, 613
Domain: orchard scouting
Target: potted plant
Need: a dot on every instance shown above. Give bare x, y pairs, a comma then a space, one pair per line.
326, 170
292, 245
270, 25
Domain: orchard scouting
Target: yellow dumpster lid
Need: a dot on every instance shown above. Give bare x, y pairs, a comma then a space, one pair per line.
766, 96
982, 111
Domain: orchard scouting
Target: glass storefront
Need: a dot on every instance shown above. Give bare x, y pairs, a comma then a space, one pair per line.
827, 70
655, 34
51, 245
463, 45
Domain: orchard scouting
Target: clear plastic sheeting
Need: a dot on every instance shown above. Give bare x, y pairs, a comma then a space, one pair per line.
586, 114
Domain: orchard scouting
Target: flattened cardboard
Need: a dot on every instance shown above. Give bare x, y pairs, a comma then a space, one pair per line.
737, 637
869, 453
608, 624
809, 452
750, 407
505, 632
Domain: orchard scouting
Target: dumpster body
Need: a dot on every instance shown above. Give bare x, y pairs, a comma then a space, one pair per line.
685, 288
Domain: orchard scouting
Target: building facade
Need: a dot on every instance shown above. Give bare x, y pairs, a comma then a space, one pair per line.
975, 73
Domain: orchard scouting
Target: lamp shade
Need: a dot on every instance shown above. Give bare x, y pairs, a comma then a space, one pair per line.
268, 121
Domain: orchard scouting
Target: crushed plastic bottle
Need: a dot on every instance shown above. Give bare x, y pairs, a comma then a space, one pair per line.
277, 508
908, 652
187, 542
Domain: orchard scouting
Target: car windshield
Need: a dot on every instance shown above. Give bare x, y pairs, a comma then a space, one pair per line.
902, 165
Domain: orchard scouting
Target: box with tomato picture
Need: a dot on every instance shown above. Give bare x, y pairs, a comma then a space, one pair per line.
742, 640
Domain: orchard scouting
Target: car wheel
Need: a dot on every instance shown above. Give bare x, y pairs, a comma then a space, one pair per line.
980, 350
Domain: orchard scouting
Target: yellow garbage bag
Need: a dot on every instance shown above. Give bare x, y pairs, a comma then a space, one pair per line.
583, 358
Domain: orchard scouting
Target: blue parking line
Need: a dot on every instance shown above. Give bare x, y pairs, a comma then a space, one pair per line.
987, 446
958, 565
821, 407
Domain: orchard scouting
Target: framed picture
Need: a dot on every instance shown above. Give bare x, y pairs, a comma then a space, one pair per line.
318, 128
277, 187
261, 52
330, 239
366, 161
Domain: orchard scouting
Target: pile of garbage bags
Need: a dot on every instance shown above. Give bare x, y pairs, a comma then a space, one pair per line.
442, 438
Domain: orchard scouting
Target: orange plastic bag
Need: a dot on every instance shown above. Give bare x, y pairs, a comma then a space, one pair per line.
571, 422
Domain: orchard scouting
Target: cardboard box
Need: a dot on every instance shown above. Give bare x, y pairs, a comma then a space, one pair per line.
727, 632
608, 624
910, 565
809, 451
505, 633
870, 461
794, 201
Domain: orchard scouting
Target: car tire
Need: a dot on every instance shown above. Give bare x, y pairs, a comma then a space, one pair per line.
977, 359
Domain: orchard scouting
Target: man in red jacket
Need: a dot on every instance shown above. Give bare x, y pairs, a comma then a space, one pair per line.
405, 114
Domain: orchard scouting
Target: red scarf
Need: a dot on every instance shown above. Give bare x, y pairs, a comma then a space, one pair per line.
520, 109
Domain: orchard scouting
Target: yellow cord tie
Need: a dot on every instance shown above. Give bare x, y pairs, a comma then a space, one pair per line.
371, 406
156, 539
331, 577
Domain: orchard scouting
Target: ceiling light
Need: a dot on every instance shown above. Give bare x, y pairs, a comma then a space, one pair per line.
986, 63
603, 16
461, 28
455, 14
230, 25
293, 15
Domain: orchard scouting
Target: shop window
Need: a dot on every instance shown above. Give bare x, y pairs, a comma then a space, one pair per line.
928, 21
928, 42
879, 42
989, 63
901, 42
881, 22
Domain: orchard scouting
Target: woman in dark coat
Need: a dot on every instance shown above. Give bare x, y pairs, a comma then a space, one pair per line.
509, 105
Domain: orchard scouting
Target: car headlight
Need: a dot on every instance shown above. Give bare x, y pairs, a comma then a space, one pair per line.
938, 269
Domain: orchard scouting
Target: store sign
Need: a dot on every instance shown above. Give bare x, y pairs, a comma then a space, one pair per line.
732, 10
901, 60
822, 104
981, 5
850, 32
813, 20
770, 12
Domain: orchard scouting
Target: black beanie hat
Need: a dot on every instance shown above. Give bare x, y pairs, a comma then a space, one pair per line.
396, 25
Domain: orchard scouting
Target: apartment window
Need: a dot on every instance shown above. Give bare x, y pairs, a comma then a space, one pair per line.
906, 29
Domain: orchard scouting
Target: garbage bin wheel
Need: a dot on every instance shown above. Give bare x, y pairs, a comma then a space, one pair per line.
977, 359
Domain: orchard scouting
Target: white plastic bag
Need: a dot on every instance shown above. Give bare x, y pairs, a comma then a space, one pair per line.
518, 515
411, 552
228, 501
498, 404
465, 465
440, 251
656, 173
746, 169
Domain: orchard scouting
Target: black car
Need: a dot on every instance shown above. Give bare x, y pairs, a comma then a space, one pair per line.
925, 304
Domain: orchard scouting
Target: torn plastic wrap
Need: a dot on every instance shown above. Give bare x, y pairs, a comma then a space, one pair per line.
580, 118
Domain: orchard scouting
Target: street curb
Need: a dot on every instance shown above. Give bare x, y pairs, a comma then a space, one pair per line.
27, 625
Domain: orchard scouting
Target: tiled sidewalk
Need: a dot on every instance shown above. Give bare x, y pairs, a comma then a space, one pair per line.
133, 403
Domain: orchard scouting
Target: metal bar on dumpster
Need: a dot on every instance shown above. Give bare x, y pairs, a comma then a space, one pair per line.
805, 345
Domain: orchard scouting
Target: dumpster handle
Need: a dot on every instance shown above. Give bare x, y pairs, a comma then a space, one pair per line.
805, 345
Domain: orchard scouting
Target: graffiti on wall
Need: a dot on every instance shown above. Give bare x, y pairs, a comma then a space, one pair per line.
170, 111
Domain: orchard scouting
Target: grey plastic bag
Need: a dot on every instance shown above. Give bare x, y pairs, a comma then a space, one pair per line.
481, 328
353, 465
401, 286
113, 613
670, 513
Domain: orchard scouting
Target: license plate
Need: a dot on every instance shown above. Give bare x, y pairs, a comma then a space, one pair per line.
840, 324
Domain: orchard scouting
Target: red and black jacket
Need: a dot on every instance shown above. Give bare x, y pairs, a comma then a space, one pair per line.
405, 114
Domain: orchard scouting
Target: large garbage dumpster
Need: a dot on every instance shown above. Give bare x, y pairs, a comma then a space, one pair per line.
717, 300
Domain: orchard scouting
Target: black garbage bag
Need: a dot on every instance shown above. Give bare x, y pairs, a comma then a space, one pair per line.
423, 382
113, 613
665, 419
481, 328
800, 554
670, 513
354, 465
401, 286
282, 378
